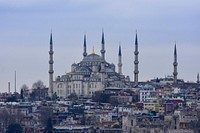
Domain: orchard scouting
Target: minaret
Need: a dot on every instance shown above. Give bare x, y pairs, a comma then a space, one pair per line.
198, 78
120, 61
136, 62
15, 82
51, 68
84, 47
175, 73
103, 46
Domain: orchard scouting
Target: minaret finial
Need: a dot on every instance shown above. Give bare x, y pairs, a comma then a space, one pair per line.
175, 53
103, 46
136, 40
119, 60
84, 46
102, 39
50, 91
93, 50
51, 41
119, 49
175, 64
136, 62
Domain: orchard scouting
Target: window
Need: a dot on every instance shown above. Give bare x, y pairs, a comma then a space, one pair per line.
131, 122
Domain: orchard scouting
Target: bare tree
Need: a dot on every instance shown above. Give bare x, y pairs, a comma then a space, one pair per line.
38, 85
7, 118
24, 91
39, 91
24, 87
45, 114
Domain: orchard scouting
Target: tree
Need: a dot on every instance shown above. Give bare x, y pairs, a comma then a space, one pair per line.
24, 87
49, 127
45, 113
14, 128
73, 97
11, 99
22, 94
24, 91
4, 118
38, 85
101, 97
39, 91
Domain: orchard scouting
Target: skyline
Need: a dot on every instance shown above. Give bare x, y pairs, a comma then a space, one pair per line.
26, 27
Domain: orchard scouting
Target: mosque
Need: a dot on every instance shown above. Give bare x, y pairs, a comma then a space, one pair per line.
94, 73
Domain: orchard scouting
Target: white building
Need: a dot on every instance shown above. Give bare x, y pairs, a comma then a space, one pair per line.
147, 93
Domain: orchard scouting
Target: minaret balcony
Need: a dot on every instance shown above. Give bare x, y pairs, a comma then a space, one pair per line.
119, 65
175, 73
136, 62
51, 52
103, 51
136, 72
136, 52
175, 64
84, 54
51, 62
51, 71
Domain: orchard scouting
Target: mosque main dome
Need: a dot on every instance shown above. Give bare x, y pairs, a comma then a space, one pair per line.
92, 58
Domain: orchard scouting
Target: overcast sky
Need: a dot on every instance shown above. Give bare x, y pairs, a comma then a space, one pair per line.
25, 27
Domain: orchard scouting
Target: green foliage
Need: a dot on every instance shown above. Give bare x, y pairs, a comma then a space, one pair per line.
49, 127
22, 94
73, 97
101, 97
14, 128
11, 99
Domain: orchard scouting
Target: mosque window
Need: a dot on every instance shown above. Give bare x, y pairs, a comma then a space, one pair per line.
131, 122
92, 85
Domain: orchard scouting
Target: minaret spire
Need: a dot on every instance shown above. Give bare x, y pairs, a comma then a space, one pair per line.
103, 46
175, 73
136, 62
51, 67
198, 78
84, 47
120, 60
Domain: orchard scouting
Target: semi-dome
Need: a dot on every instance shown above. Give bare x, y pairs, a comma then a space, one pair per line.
92, 58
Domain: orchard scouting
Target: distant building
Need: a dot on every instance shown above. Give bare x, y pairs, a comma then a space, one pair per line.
147, 93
